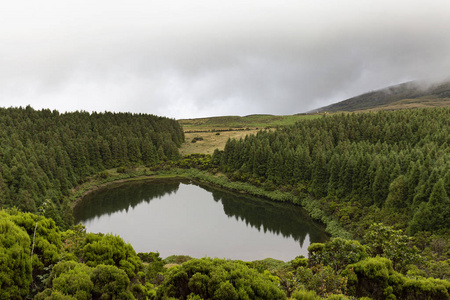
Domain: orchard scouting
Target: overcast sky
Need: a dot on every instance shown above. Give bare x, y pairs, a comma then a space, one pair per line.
192, 58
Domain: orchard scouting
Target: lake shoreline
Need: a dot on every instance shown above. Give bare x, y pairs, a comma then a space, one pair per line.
119, 181
185, 216
332, 227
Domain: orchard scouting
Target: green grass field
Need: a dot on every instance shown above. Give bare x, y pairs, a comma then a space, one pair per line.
251, 121
215, 131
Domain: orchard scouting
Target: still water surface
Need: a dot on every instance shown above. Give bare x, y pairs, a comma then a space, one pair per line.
180, 217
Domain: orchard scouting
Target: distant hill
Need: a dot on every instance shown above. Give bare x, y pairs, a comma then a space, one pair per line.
251, 121
412, 94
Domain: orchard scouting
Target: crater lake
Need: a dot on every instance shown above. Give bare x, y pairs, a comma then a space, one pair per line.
186, 218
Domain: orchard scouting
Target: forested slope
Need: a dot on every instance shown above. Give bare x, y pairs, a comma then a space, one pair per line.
43, 154
391, 167
364, 169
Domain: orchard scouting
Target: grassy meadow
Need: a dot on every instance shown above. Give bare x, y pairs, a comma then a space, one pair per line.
211, 133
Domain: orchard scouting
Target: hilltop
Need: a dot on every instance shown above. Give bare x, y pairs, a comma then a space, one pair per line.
236, 122
413, 94
203, 135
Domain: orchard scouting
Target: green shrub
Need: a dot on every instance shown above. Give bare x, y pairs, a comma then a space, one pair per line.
299, 261
269, 264
110, 282
177, 259
337, 297
15, 265
104, 174
121, 170
155, 265
369, 278
49, 294
375, 278
305, 295
218, 279
72, 279
195, 139
336, 253
110, 250
393, 244
47, 243
321, 279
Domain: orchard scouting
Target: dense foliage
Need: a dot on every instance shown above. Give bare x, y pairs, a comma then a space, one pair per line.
390, 167
43, 154
15, 262
364, 171
77, 265
218, 279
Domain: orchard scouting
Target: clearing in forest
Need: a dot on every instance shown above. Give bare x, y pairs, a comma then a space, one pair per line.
204, 135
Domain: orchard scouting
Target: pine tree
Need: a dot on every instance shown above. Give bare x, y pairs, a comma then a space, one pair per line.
319, 176
398, 192
439, 204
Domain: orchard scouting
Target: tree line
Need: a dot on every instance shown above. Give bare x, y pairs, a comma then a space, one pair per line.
44, 153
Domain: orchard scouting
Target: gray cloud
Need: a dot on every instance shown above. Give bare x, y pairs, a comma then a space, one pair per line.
203, 58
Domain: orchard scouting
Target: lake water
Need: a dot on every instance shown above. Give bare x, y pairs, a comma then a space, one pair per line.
185, 218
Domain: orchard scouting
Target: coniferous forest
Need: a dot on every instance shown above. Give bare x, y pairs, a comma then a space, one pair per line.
383, 176
392, 167
44, 153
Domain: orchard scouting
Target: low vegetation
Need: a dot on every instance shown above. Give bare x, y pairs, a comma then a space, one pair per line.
210, 140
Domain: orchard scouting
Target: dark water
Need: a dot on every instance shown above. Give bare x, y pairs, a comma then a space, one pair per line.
175, 217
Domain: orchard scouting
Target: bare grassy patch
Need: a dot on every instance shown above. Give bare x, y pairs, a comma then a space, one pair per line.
204, 135
211, 140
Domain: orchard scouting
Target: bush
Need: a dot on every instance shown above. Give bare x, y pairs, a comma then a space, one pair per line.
375, 278
218, 279
47, 243
369, 278
155, 265
70, 279
299, 261
198, 138
121, 170
110, 282
110, 250
177, 259
104, 174
321, 279
15, 266
305, 295
393, 244
336, 253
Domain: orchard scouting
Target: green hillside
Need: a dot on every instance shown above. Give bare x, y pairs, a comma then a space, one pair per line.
251, 121
389, 167
414, 94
